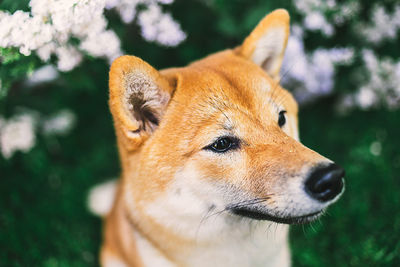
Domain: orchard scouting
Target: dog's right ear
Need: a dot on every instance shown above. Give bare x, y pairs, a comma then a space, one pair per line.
139, 95
266, 44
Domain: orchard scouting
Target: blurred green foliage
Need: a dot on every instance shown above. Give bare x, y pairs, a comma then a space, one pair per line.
362, 229
44, 219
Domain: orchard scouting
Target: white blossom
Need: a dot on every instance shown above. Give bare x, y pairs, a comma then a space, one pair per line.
311, 75
165, 2
44, 52
45, 73
105, 44
346, 11
314, 14
382, 26
341, 55
21, 30
375, 148
60, 123
366, 98
68, 57
316, 21
17, 134
159, 27
308, 6
381, 85
125, 8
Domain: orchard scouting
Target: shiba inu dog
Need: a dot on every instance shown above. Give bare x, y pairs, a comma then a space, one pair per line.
212, 167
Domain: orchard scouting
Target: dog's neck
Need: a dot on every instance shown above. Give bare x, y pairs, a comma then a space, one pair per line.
266, 246
192, 231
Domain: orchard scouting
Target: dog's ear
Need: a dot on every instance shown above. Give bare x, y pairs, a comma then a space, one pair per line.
139, 95
266, 44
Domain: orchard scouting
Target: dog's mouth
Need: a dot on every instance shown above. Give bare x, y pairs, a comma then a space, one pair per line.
259, 215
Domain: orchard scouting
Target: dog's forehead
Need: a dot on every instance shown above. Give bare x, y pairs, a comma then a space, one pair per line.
228, 80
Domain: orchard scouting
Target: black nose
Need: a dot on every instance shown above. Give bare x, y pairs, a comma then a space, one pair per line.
325, 182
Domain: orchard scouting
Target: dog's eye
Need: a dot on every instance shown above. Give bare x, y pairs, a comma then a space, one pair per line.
223, 144
282, 118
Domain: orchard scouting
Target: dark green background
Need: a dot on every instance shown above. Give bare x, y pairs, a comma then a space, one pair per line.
44, 220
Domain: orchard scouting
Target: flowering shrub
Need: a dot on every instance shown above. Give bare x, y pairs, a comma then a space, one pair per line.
374, 78
49, 29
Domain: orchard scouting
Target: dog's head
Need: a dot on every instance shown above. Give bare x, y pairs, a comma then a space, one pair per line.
220, 134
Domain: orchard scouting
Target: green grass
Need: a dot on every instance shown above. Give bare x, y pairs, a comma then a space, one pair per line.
44, 220
363, 227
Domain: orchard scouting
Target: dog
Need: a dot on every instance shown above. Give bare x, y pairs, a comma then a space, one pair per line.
213, 171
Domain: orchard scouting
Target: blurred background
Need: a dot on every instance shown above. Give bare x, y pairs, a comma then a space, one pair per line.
57, 139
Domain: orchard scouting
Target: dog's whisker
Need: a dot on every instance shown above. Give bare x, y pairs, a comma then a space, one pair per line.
251, 200
203, 219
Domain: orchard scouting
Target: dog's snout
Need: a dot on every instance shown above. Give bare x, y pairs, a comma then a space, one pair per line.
325, 183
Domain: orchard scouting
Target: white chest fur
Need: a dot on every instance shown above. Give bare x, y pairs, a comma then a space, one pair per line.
220, 238
262, 247
266, 246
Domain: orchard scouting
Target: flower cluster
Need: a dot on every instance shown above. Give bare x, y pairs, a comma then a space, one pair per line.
381, 86
47, 29
127, 8
51, 24
312, 74
18, 133
159, 27
314, 14
46, 73
384, 26
60, 123
155, 25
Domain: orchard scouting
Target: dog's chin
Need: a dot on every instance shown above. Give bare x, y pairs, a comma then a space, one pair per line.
260, 215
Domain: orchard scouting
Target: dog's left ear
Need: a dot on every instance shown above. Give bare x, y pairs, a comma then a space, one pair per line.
139, 95
266, 45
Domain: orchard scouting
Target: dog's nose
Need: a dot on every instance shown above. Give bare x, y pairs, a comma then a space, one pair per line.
325, 183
